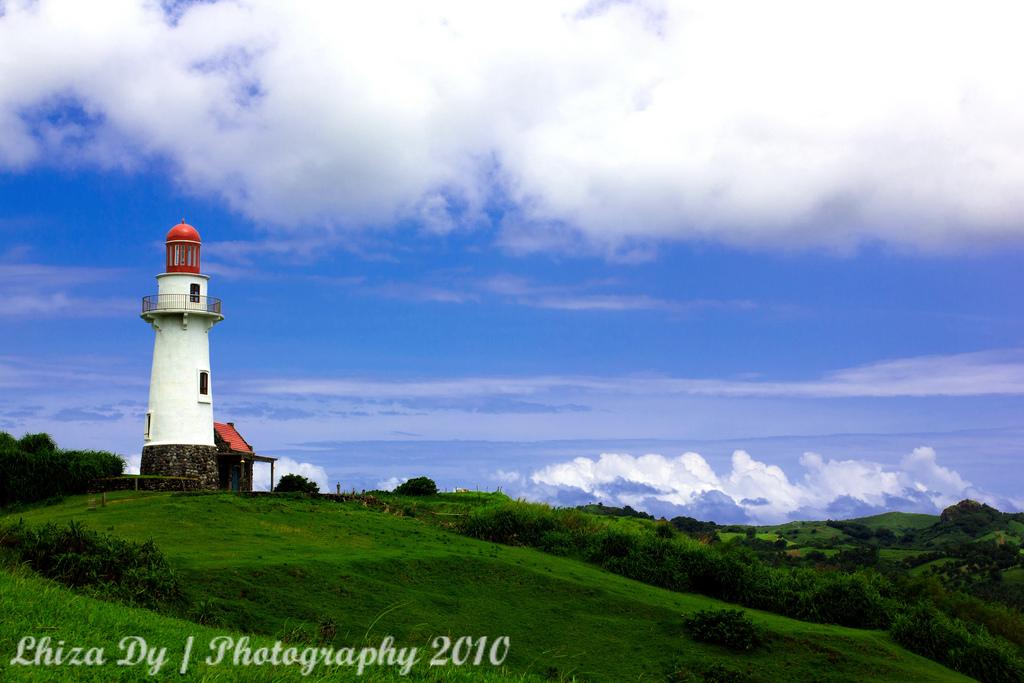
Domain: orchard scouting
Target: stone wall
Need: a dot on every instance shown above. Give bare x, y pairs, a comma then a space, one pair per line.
182, 460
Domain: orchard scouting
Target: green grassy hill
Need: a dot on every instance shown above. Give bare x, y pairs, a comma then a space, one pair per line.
340, 574
970, 548
35, 606
897, 521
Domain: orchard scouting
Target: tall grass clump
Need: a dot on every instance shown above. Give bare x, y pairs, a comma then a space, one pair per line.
968, 648
558, 531
729, 628
35, 469
102, 565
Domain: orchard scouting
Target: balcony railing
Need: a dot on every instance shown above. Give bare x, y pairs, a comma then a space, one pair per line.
180, 302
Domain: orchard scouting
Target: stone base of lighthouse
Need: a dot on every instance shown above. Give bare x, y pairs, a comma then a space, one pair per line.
182, 460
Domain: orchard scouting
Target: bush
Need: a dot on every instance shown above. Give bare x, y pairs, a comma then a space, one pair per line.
709, 672
104, 565
563, 532
417, 486
727, 627
852, 599
35, 469
296, 483
970, 650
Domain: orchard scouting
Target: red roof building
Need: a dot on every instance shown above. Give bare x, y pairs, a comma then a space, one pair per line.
230, 435
235, 458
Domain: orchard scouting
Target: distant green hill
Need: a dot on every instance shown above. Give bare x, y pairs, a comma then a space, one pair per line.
897, 521
971, 547
341, 574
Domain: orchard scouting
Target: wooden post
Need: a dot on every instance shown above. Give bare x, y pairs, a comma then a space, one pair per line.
136, 481
104, 499
271, 476
339, 488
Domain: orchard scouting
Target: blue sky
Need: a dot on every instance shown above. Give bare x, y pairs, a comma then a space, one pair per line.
531, 264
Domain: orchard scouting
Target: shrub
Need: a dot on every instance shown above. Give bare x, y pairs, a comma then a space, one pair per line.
851, 599
104, 565
727, 627
711, 672
664, 530
35, 469
970, 650
296, 483
417, 486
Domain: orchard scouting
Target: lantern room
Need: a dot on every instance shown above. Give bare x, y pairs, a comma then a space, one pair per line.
183, 249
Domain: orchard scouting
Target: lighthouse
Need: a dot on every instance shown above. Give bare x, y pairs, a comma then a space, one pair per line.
179, 430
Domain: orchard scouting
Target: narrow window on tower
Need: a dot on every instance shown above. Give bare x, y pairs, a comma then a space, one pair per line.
149, 425
193, 293
204, 386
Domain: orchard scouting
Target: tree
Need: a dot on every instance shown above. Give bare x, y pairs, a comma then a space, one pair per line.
419, 486
296, 483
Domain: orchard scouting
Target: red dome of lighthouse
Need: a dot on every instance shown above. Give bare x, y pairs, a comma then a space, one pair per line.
183, 232
183, 249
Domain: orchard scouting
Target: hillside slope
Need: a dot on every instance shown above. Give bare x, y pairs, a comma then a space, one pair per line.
39, 608
340, 574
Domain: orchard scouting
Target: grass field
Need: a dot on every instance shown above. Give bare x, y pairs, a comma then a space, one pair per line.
800, 552
804, 534
341, 574
1015, 575
37, 607
769, 536
928, 566
897, 554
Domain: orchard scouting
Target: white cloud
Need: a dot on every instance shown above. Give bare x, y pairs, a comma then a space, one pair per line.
80, 372
609, 124
584, 296
132, 463
34, 290
757, 491
390, 483
508, 476
966, 374
923, 473
283, 466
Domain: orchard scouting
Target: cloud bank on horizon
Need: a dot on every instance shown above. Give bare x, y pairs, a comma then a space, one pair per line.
753, 491
598, 125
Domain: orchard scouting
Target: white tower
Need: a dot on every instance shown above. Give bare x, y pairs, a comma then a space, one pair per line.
179, 421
